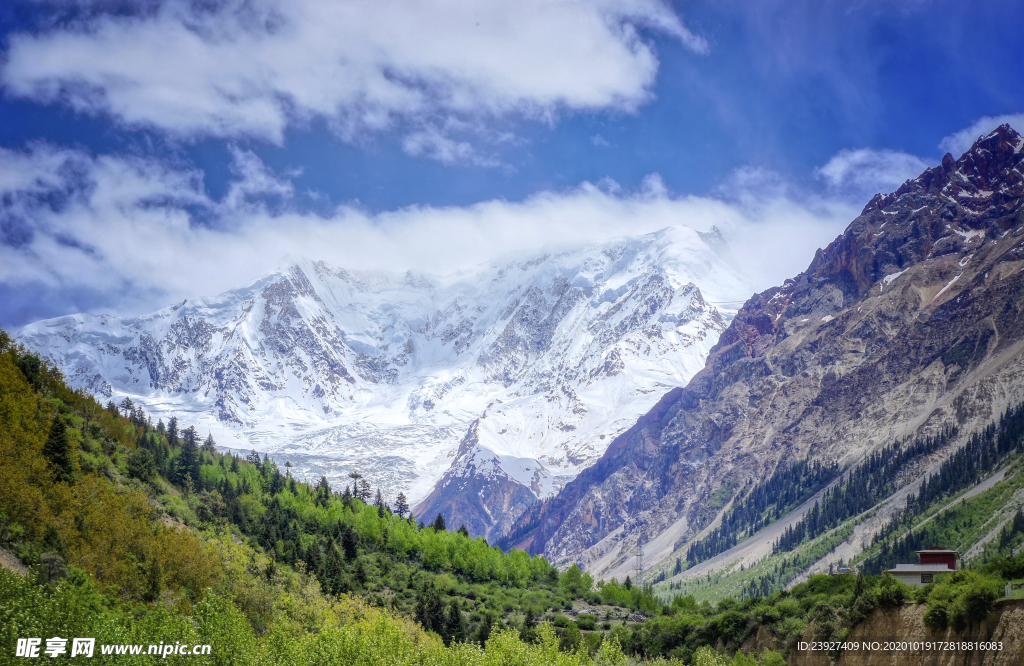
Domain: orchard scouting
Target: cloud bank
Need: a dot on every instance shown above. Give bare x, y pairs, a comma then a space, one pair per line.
129, 235
253, 68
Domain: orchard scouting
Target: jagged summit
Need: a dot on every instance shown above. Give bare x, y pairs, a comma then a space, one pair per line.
983, 176
338, 370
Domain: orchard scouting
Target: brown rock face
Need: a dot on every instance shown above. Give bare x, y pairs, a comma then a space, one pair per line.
911, 319
1005, 625
480, 496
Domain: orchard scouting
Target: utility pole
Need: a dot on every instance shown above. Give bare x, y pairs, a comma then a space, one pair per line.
638, 567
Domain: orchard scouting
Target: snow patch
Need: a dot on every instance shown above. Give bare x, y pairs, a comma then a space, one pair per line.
970, 234
946, 288
828, 318
888, 279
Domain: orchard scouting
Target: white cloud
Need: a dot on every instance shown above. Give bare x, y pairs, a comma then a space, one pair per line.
865, 172
127, 228
437, 144
252, 68
959, 142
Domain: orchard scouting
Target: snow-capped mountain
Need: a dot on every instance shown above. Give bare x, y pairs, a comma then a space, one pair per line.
548, 357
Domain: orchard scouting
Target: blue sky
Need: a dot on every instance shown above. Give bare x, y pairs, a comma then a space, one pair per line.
160, 149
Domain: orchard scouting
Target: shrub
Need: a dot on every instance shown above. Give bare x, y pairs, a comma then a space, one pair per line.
936, 617
561, 621
962, 598
891, 592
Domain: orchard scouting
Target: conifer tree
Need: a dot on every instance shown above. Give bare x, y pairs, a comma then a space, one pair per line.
455, 624
348, 543
58, 453
188, 463
334, 570
172, 432
430, 609
484, 632
401, 505
323, 492
528, 632
313, 561
438, 524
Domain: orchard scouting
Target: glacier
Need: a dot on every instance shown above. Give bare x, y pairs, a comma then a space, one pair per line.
549, 354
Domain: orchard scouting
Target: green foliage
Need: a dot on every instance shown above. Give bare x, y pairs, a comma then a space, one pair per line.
891, 592
58, 453
960, 599
575, 582
142, 465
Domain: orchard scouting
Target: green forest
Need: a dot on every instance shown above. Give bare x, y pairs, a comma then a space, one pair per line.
139, 533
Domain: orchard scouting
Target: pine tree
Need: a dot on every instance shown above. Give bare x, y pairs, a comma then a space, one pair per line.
430, 608
334, 571
484, 632
172, 432
528, 632
438, 524
401, 505
349, 543
323, 492
312, 558
188, 464
454, 624
57, 451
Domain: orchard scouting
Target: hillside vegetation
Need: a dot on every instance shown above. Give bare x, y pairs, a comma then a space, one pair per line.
141, 533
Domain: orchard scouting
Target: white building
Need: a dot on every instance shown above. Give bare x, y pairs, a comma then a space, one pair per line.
932, 561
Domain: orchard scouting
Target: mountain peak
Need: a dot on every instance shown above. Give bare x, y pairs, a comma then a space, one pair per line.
977, 180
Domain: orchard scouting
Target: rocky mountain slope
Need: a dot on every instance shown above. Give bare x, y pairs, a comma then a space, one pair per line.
534, 364
912, 319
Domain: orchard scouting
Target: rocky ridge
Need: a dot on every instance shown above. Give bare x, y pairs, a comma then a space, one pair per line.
909, 320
